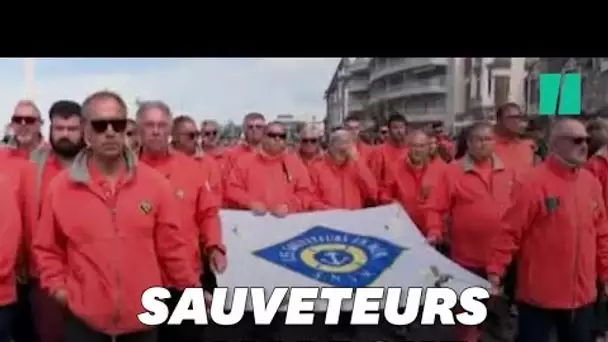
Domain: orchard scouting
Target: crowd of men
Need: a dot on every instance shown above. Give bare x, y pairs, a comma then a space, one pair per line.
110, 206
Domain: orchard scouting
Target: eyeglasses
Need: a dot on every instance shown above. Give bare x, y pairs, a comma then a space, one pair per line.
101, 125
309, 141
210, 133
273, 135
24, 120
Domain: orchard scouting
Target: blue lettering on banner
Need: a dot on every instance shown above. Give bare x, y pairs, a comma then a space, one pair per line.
334, 257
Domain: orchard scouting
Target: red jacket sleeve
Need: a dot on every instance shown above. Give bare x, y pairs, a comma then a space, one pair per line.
172, 249
208, 219
438, 205
10, 230
368, 186
303, 191
517, 220
48, 246
316, 202
235, 193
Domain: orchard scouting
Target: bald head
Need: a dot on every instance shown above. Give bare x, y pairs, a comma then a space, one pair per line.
569, 141
566, 128
417, 136
340, 137
309, 132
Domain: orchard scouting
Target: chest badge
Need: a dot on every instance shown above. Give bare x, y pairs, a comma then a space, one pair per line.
145, 207
180, 194
552, 204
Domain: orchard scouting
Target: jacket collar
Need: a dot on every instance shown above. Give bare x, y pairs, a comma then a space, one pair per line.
468, 164
79, 170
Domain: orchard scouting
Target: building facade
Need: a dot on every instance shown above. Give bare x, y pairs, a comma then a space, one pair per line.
348, 93
455, 91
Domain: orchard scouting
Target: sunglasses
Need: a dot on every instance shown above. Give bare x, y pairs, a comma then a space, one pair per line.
101, 126
579, 140
255, 126
309, 141
24, 120
273, 135
191, 135
210, 133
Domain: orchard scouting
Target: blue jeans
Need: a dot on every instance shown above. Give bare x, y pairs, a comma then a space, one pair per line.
6, 318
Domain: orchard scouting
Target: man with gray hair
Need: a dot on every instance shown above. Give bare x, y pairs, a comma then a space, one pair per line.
309, 144
342, 180
199, 207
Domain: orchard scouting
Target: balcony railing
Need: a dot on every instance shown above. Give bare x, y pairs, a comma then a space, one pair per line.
400, 64
409, 88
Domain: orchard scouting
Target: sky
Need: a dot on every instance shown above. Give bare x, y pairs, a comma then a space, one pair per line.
222, 89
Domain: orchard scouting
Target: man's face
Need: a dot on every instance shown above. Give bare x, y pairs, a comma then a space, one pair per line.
309, 142
572, 144
481, 142
66, 136
155, 128
354, 127
209, 134
105, 128
187, 137
274, 141
418, 147
383, 132
397, 130
132, 137
514, 120
433, 146
25, 122
254, 130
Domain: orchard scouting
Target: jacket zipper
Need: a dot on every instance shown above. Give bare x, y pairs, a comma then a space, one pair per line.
576, 252
117, 299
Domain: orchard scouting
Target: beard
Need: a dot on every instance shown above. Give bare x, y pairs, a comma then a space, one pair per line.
65, 148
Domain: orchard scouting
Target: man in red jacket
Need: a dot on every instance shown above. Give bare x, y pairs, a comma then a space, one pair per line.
108, 229
559, 230
10, 230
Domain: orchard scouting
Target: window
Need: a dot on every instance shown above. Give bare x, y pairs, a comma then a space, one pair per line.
478, 86
489, 81
501, 90
467, 96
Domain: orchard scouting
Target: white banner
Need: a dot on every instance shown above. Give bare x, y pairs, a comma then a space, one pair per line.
375, 247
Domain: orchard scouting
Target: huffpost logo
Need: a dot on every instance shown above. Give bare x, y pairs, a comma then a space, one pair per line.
560, 94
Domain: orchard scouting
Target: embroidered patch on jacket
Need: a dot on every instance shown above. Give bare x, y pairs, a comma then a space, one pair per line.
145, 207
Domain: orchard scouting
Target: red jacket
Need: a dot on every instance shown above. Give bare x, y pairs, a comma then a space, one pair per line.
199, 206
558, 228
10, 239
105, 250
474, 197
270, 180
348, 186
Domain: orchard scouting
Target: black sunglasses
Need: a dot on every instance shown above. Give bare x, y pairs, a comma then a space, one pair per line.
191, 135
273, 135
210, 133
309, 141
24, 120
101, 125
579, 140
